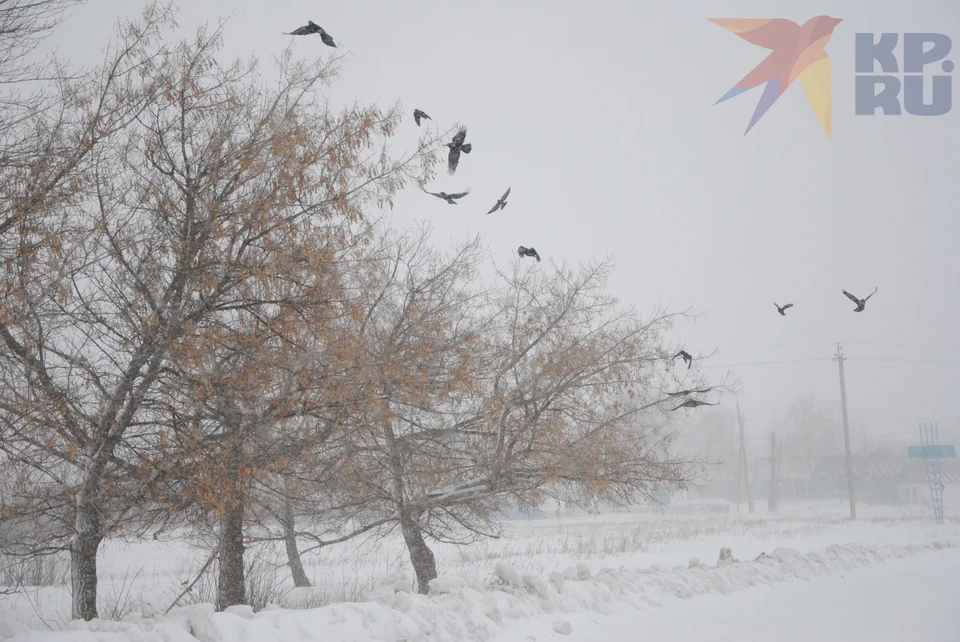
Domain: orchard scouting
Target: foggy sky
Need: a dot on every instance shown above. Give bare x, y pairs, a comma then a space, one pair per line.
600, 116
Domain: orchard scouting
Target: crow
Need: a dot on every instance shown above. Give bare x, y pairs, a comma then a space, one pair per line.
450, 198
693, 403
501, 202
528, 251
689, 392
456, 146
417, 115
781, 310
860, 302
686, 357
310, 28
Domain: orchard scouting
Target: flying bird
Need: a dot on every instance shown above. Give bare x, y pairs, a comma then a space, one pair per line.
311, 28
456, 146
860, 302
501, 202
693, 403
417, 115
795, 52
686, 357
689, 392
781, 310
450, 198
528, 251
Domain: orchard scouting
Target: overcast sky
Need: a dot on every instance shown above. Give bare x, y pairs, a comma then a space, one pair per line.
600, 116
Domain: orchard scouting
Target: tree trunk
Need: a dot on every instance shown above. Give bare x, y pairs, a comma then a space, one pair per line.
290, 542
230, 584
83, 561
424, 563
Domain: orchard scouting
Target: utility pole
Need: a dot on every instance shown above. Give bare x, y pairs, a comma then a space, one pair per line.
739, 469
743, 460
779, 466
772, 500
846, 435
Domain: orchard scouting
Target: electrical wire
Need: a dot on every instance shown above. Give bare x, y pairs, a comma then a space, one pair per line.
764, 363
782, 345
906, 345
902, 360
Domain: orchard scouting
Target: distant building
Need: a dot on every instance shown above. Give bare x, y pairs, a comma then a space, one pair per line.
880, 478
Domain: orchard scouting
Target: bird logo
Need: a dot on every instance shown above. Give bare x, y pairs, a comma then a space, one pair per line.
796, 51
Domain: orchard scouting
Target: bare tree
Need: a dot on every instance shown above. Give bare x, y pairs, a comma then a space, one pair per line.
809, 428
538, 385
24, 24
24, 94
713, 438
188, 212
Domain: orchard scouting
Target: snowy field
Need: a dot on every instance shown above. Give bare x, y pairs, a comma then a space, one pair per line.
575, 577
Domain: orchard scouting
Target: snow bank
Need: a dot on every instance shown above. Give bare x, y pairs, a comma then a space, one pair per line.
467, 609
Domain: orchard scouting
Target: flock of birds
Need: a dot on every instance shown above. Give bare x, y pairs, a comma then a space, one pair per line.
459, 146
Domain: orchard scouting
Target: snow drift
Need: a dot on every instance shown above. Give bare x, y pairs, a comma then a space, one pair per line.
464, 609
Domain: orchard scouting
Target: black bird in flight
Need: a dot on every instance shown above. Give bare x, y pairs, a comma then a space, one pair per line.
501, 202
689, 392
860, 302
781, 310
311, 28
528, 251
456, 146
417, 115
450, 198
686, 357
693, 403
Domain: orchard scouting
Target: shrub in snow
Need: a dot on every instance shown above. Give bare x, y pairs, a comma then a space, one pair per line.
695, 562
583, 572
536, 584
726, 557
303, 597
441, 585
401, 581
507, 574
241, 610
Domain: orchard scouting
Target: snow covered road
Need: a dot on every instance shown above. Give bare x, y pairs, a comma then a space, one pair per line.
914, 598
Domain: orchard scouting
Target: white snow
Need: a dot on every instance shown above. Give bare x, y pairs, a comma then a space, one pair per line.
552, 578
470, 609
911, 599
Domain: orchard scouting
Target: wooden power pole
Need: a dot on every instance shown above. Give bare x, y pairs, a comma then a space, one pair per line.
772, 500
846, 435
745, 468
739, 471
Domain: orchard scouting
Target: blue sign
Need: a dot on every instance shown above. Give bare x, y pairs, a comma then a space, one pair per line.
931, 452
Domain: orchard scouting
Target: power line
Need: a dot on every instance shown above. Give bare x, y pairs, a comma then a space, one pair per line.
904, 360
907, 345
764, 363
782, 345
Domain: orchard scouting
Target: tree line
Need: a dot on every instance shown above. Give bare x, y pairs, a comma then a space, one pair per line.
204, 325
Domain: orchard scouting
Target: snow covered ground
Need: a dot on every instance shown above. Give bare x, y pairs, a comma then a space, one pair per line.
575, 577
913, 598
